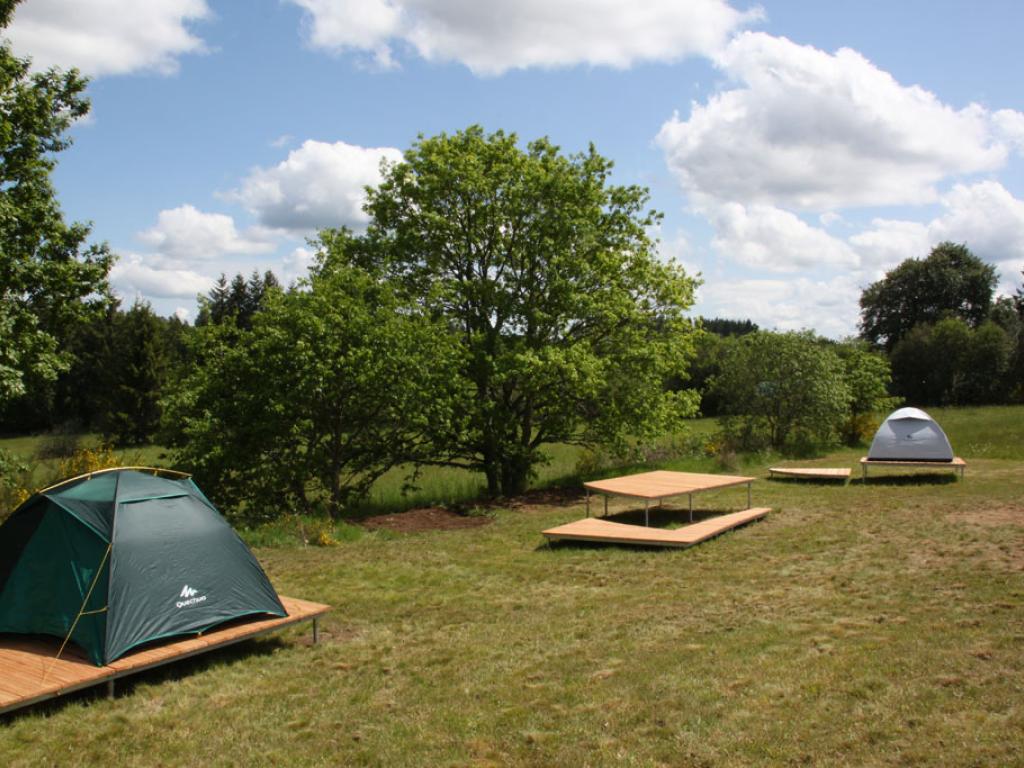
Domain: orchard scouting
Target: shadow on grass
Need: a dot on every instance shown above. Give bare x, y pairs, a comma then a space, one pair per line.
898, 480
175, 670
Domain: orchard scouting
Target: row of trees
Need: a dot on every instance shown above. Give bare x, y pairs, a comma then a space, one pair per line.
949, 339
501, 299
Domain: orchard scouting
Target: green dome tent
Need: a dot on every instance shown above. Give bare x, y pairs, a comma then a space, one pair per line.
123, 557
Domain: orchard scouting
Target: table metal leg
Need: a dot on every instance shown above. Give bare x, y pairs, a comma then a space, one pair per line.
647, 519
606, 506
586, 492
748, 495
690, 497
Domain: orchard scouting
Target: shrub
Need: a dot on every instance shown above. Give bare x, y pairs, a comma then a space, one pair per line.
782, 390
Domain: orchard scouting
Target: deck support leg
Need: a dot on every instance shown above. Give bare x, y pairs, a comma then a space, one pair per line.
690, 497
647, 518
864, 471
110, 689
316, 631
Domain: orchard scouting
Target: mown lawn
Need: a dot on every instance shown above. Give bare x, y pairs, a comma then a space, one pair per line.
871, 624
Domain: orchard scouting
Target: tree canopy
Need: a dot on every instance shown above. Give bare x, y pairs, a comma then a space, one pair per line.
567, 322
49, 278
334, 384
786, 386
950, 282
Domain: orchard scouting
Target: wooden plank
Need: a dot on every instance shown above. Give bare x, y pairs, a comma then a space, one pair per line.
820, 473
956, 463
598, 530
29, 671
663, 484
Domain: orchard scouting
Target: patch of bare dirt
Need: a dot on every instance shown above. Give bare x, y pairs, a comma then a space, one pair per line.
544, 497
425, 519
990, 517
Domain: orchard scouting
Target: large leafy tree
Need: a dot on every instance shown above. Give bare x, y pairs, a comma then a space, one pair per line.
950, 282
49, 278
782, 386
334, 384
568, 324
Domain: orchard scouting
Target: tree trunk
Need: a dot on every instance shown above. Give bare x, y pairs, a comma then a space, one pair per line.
515, 471
493, 478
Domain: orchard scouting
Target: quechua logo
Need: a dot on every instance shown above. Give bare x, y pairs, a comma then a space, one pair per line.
189, 597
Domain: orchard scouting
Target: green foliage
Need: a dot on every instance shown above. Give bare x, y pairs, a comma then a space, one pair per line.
721, 326
14, 482
782, 390
140, 370
868, 376
951, 281
710, 352
50, 280
238, 302
567, 322
334, 385
952, 364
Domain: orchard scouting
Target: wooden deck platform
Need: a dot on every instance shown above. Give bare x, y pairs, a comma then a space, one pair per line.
815, 473
605, 531
29, 672
957, 465
660, 485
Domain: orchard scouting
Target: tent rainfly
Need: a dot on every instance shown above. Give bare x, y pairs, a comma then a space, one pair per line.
120, 558
910, 434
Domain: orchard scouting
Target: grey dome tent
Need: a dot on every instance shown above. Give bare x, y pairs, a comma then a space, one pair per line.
910, 434
124, 557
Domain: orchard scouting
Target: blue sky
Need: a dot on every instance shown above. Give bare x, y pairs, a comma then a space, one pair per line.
797, 149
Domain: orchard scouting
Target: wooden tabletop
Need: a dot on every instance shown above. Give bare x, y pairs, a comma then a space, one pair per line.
821, 473
662, 484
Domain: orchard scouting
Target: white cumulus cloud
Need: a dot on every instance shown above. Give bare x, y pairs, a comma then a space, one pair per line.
318, 185
132, 276
189, 235
107, 37
495, 36
773, 239
828, 306
816, 131
984, 216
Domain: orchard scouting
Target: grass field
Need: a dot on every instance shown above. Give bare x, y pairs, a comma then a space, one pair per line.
877, 623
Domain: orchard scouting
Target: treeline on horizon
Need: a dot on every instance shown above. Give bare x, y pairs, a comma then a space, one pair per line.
968, 352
